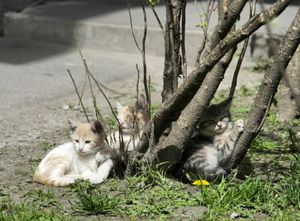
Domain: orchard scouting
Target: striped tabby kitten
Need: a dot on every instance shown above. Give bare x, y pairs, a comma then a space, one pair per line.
206, 157
79, 159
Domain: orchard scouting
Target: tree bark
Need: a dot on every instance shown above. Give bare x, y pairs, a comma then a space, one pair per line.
172, 67
267, 90
172, 107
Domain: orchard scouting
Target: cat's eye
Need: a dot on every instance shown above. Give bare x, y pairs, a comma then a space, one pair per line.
87, 141
77, 141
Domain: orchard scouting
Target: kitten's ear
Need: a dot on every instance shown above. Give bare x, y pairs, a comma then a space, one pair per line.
142, 104
97, 127
73, 125
119, 107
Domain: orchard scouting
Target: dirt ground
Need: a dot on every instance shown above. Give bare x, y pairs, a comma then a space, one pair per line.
29, 131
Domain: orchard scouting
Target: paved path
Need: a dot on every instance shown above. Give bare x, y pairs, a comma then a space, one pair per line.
34, 81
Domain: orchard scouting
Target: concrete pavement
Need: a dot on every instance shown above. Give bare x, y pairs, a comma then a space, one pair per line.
105, 24
37, 49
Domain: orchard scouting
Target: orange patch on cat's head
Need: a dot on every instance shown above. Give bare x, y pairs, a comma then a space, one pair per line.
89, 131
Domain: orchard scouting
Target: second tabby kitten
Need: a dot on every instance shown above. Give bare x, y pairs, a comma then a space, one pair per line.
206, 158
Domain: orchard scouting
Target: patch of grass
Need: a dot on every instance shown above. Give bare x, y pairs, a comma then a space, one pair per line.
110, 122
240, 112
41, 198
272, 120
47, 145
22, 172
262, 144
91, 201
245, 91
152, 194
154, 108
261, 65
10, 211
277, 199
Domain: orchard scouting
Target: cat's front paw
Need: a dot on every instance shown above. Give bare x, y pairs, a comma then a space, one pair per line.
240, 125
95, 180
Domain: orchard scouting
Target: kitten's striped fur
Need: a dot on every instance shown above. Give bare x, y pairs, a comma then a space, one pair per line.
79, 159
206, 157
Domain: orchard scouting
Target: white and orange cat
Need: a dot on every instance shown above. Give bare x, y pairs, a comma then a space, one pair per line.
79, 159
132, 122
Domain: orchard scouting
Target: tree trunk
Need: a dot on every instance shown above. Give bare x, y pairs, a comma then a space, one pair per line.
172, 67
268, 88
289, 91
172, 107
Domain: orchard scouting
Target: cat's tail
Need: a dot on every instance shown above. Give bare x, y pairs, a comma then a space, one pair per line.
54, 179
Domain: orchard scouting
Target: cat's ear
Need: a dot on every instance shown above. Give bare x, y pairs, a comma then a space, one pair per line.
119, 107
142, 104
97, 127
73, 125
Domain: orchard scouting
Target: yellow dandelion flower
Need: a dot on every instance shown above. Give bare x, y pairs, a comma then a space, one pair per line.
201, 183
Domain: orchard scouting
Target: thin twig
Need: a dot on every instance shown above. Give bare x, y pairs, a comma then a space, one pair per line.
147, 92
88, 72
78, 95
137, 81
150, 98
265, 116
273, 47
241, 57
131, 27
206, 21
157, 18
183, 52
83, 88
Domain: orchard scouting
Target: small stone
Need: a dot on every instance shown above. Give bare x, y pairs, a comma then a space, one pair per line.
234, 215
66, 107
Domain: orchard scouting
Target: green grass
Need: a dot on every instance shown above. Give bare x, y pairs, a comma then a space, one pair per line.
10, 211
46, 145
273, 190
41, 198
90, 200
260, 66
154, 196
277, 199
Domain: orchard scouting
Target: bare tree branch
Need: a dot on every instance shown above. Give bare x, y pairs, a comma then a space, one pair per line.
183, 52
78, 95
205, 26
172, 66
171, 108
268, 88
241, 57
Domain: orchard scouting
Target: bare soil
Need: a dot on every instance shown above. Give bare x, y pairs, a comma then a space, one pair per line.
29, 130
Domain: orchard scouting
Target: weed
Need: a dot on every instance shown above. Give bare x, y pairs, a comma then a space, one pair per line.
10, 211
253, 195
154, 108
261, 144
41, 198
46, 145
91, 201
